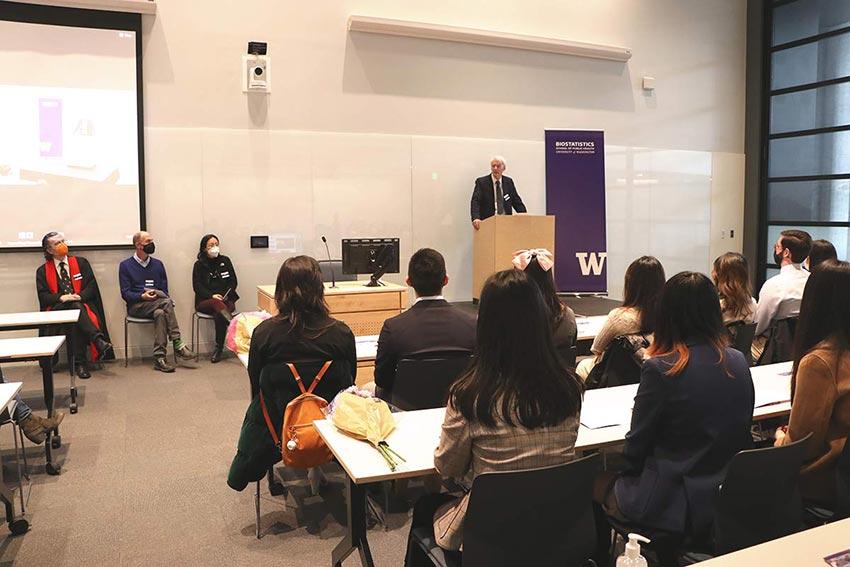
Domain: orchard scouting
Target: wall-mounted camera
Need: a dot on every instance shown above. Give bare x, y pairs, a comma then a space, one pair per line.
256, 68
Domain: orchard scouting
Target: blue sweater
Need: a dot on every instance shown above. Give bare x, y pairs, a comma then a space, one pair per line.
134, 279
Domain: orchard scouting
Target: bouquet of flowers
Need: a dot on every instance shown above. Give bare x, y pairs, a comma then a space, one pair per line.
359, 414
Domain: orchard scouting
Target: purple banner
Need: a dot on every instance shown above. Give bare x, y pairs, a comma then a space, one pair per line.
575, 194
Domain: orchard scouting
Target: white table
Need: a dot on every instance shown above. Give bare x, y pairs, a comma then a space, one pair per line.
65, 318
8, 392
417, 434
36, 319
41, 349
803, 549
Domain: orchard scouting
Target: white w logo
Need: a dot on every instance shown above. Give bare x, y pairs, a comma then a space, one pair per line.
595, 263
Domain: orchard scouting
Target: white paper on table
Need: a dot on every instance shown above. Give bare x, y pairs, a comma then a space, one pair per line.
597, 416
366, 346
769, 396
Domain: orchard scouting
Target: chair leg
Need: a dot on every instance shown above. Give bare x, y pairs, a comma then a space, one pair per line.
126, 346
24, 453
196, 325
257, 508
18, 463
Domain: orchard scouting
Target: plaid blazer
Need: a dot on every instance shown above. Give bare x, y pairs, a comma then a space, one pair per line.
468, 449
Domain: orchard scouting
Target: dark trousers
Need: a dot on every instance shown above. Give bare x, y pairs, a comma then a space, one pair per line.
85, 331
219, 310
423, 517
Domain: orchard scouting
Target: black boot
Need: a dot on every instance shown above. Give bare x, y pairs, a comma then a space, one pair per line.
216, 355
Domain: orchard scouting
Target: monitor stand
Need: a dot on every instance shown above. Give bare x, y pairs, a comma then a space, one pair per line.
375, 279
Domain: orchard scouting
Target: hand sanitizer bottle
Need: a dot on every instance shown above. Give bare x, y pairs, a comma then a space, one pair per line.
632, 557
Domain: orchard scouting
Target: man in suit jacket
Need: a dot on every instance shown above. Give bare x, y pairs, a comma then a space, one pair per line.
68, 282
431, 325
494, 194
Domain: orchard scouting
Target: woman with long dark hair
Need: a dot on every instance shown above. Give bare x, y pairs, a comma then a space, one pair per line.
822, 250
305, 335
820, 384
517, 407
692, 413
214, 281
303, 329
731, 276
537, 265
643, 282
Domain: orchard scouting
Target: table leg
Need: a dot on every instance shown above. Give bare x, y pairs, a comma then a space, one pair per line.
356, 536
72, 348
72, 361
17, 527
47, 379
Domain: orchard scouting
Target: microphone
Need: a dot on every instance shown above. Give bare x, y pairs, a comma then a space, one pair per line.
330, 262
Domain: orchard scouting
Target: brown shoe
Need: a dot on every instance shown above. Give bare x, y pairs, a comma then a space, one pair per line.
36, 428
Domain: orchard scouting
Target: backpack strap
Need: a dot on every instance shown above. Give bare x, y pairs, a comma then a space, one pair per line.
275, 438
316, 380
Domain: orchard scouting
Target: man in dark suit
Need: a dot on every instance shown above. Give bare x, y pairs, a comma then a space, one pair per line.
494, 194
68, 282
431, 325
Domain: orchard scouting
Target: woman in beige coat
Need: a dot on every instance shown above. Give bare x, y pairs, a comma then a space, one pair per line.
516, 408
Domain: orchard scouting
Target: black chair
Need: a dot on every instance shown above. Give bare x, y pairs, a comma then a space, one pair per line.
423, 383
568, 355
279, 379
780, 342
742, 334
815, 515
759, 500
335, 266
537, 517
620, 363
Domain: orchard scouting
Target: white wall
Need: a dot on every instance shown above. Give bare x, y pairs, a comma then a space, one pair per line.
378, 136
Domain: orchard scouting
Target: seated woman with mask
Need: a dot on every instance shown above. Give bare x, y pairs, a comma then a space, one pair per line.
214, 281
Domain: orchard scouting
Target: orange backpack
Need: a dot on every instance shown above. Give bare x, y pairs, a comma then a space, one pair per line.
302, 446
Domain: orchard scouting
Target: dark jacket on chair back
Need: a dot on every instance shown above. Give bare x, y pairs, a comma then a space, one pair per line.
685, 429
430, 326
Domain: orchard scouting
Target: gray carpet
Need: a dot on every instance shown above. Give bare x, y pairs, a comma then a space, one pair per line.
144, 465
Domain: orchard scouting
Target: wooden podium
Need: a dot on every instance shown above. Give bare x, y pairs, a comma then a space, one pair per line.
494, 244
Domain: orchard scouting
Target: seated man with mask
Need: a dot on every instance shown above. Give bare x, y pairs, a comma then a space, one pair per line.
144, 287
68, 282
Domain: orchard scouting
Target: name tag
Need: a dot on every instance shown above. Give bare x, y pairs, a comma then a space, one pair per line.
78, 276
148, 283
225, 274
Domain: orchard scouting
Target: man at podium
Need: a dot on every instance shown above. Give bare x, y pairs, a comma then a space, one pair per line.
494, 194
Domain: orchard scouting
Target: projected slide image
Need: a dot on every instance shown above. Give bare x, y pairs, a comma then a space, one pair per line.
68, 134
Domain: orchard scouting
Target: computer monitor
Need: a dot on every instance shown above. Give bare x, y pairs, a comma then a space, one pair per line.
375, 256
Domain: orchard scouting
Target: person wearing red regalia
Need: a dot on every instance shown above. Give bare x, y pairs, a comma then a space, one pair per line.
68, 282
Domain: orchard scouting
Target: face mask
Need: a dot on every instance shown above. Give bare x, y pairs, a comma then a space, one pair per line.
60, 250
149, 248
777, 257
213, 252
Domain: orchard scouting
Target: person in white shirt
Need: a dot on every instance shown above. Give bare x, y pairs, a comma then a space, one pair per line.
780, 296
